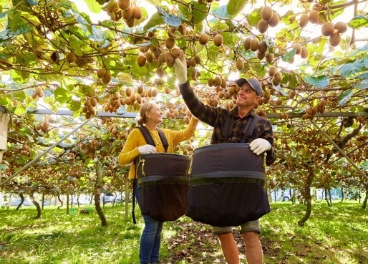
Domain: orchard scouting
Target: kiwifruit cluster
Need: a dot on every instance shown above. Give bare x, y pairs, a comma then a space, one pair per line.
268, 18
44, 127
38, 92
129, 12
182, 28
333, 31
300, 50
104, 75
89, 107
284, 115
275, 74
310, 112
261, 47
70, 57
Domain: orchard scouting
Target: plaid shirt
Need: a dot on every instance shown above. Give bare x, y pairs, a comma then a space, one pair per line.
216, 116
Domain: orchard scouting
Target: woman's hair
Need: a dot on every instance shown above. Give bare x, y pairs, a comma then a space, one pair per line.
141, 117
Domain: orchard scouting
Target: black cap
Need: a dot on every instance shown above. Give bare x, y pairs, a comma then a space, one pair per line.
256, 86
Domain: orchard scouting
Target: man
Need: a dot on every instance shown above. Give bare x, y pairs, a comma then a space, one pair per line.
261, 142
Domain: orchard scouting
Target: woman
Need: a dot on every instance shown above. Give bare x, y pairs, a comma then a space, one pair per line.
150, 116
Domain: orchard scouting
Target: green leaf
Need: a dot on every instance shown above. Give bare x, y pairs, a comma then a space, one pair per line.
170, 19
358, 22
155, 20
350, 69
235, 6
319, 81
254, 17
288, 57
362, 85
221, 12
344, 97
199, 12
75, 44
74, 105
61, 95
93, 6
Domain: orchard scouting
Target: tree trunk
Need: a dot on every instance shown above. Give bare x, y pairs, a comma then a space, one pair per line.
308, 197
37, 206
364, 205
21, 201
342, 194
61, 202
67, 203
43, 200
97, 193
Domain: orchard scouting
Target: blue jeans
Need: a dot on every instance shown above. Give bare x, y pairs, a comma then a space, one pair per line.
151, 236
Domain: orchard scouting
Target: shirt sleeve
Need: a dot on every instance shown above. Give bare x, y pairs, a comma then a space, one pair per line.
179, 136
130, 150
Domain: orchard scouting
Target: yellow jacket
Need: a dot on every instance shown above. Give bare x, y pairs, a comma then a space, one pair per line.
135, 139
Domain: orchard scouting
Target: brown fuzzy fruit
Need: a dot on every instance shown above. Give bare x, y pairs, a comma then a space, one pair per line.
262, 46
278, 77
218, 40
298, 48
149, 56
197, 59
130, 22
304, 53
240, 64
246, 43
304, 19
327, 29
217, 81
266, 13
335, 39
123, 4
160, 72
141, 60
313, 16
137, 12
169, 58
260, 55
70, 57
262, 26
341, 27
182, 29
93, 101
127, 13
203, 39
101, 72
254, 44
170, 43
176, 52
270, 57
107, 77
274, 20
272, 70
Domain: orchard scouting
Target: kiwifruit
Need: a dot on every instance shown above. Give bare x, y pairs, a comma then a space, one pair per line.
304, 53
192, 62
175, 52
203, 39
275, 82
143, 49
274, 20
239, 64
298, 48
210, 82
327, 28
170, 43
223, 83
291, 94
341, 27
246, 43
70, 57
39, 91
304, 19
101, 72
141, 60
93, 101
130, 22
137, 12
254, 44
260, 55
161, 59
197, 59
127, 13
269, 57
272, 70
266, 13
217, 81
128, 91
313, 16
169, 58
107, 77
149, 56
123, 4
262, 26
278, 77
182, 29
335, 39
262, 46
140, 89
218, 40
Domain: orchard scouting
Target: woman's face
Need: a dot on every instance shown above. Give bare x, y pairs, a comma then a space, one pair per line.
154, 114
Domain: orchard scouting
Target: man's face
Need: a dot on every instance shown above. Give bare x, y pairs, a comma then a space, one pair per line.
247, 96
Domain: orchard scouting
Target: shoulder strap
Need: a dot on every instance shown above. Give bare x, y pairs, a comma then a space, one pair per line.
249, 127
228, 127
147, 136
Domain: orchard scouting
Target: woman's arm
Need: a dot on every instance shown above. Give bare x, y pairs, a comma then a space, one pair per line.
178, 136
130, 150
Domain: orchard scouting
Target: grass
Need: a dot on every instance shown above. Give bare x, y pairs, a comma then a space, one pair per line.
332, 235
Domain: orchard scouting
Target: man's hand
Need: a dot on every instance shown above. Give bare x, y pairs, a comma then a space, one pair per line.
147, 149
259, 145
181, 70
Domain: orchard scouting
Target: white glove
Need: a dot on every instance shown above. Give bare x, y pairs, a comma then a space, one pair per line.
147, 149
259, 145
181, 70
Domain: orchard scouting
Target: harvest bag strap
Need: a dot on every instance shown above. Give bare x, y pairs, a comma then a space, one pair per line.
147, 136
248, 130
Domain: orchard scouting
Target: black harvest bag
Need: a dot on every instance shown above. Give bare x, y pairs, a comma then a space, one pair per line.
227, 185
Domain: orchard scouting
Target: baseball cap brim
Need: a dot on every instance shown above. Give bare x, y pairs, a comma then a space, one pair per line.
256, 86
